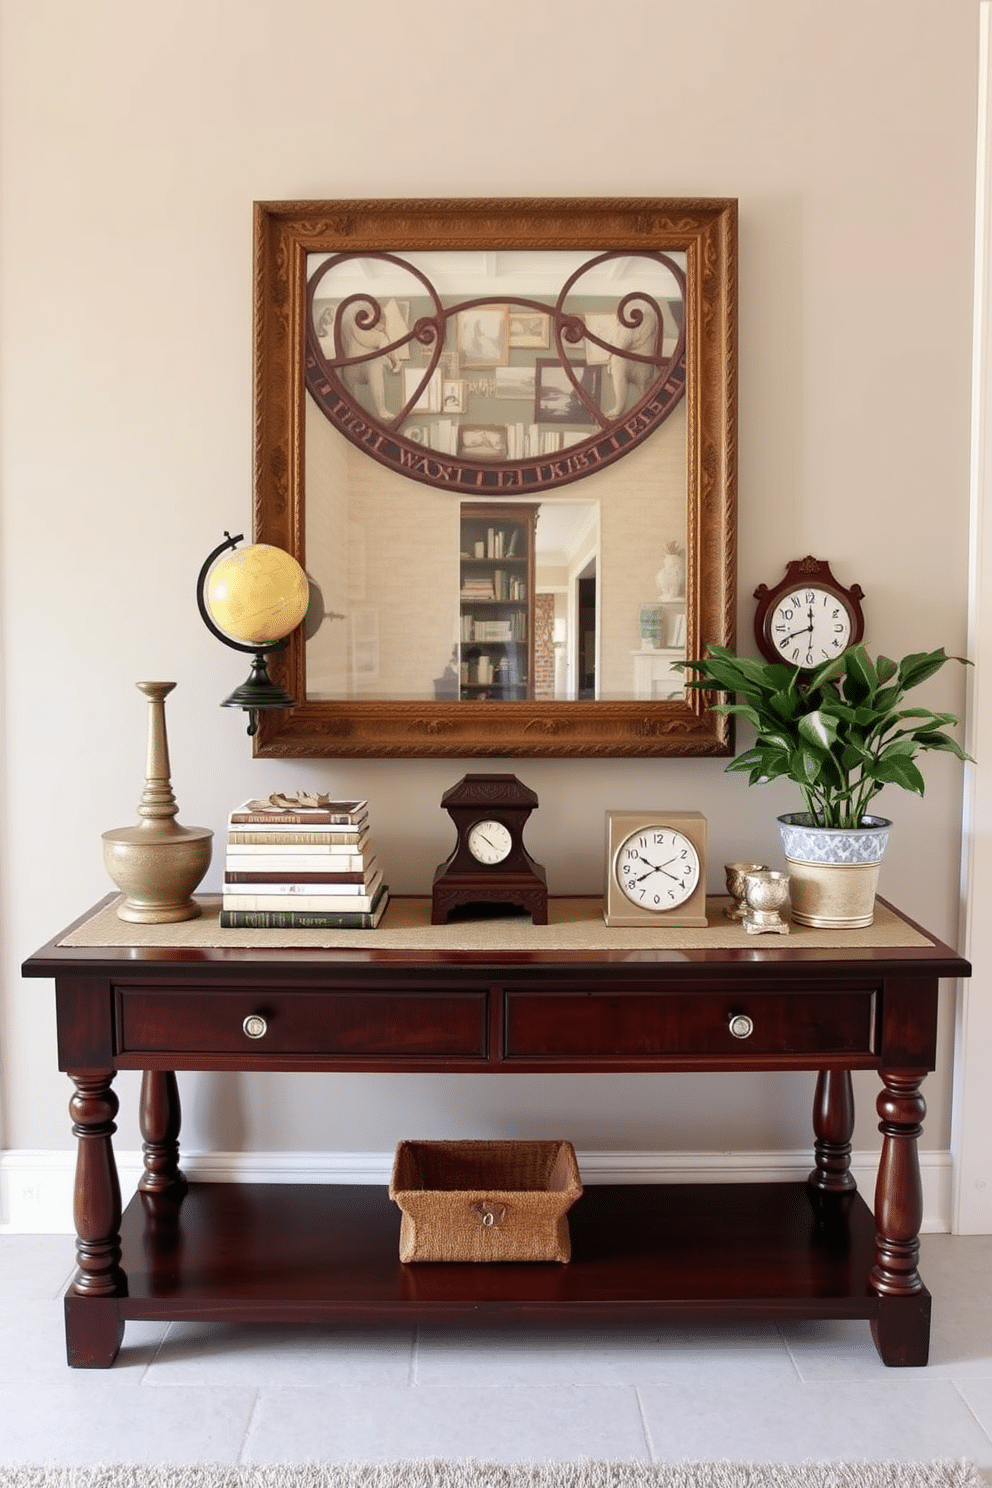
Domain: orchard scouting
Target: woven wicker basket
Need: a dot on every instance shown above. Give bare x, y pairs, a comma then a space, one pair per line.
485, 1201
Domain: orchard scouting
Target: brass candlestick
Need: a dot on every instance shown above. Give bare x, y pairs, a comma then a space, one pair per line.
157, 863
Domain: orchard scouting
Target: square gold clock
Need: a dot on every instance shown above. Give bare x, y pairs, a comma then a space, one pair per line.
655, 868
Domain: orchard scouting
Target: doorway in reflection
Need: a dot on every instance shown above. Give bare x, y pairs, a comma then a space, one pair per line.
527, 600
586, 645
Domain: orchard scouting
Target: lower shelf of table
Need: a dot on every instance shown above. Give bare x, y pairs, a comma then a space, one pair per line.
329, 1254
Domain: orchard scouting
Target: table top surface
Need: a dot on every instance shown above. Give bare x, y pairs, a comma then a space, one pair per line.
100, 942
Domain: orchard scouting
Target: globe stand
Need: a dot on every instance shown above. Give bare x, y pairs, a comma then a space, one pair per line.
258, 692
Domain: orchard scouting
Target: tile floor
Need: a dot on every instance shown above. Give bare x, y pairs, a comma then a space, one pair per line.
211, 1392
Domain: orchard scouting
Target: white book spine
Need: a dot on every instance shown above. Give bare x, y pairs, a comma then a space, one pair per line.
237, 862
305, 890
316, 902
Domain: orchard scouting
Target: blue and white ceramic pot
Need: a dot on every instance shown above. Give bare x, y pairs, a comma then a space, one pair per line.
833, 871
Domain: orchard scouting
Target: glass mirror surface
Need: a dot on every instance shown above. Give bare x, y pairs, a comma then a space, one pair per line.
509, 597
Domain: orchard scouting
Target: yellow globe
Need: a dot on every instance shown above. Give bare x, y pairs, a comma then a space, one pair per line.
257, 594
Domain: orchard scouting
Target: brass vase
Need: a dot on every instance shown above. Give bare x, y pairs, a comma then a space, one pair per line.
157, 864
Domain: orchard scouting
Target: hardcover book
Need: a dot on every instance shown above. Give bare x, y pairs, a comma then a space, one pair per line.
308, 897
275, 870
270, 838
295, 919
296, 888
302, 809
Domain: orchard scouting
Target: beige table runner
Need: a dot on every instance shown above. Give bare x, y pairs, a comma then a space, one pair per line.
574, 925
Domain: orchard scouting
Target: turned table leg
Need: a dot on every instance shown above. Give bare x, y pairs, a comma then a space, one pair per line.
93, 1329
833, 1127
902, 1329
160, 1116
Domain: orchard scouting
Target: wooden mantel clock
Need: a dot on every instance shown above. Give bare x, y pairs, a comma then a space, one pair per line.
490, 864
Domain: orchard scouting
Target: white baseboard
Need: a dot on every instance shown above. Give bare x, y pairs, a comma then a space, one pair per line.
36, 1186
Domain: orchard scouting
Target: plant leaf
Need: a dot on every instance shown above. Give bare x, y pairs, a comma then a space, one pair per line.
828, 672
944, 742
806, 765
740, 710
920, 665
818, 729
899, 771
860, 672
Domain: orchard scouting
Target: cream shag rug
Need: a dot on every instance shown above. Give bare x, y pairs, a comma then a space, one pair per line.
581, 1474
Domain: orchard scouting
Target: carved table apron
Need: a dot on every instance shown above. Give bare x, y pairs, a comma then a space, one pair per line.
563, 998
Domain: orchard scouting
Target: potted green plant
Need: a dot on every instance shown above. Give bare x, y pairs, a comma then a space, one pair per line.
842, 733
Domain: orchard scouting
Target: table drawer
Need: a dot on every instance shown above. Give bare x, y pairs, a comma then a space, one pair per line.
644, 1024
377, 1024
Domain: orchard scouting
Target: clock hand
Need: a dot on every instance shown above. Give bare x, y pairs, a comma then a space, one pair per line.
657, 868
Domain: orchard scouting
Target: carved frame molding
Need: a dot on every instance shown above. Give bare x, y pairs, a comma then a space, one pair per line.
706, 231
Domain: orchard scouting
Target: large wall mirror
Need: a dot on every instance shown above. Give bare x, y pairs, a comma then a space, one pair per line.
500, 436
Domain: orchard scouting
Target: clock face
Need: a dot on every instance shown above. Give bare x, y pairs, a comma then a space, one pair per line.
489, 841
808, 626
657, 868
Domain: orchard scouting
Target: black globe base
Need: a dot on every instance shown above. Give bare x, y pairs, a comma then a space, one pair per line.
259, 692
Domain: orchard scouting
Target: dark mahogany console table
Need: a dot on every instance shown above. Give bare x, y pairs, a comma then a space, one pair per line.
329, 1253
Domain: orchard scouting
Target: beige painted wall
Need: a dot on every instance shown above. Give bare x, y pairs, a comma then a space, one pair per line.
134, 141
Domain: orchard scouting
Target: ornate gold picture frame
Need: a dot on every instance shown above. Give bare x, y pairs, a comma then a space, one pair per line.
364, 313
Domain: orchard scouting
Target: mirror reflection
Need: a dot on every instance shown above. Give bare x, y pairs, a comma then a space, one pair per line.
538, 551
509, 601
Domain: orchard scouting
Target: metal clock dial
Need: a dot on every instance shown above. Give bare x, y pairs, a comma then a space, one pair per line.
489, 842
809, 626
657, 869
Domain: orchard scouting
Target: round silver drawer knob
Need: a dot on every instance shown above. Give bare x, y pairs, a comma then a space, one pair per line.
255, 1026
741, 1026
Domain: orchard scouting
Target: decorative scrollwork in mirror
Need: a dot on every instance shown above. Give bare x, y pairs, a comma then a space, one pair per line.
357, 343
500, 436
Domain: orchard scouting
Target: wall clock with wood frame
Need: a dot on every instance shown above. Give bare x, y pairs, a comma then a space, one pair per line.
489, 864
655, 869
808, 617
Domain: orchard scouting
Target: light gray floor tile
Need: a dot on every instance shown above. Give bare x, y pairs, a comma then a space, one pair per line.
33, 1267
904, 1418
273, 1356
58, 1423
958, 1271
490, 1357
32, 1348
960, 1347
977, 1395
837, 1349
957, 1257
385, 1425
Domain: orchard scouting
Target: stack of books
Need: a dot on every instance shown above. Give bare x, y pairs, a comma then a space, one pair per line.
301, 862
